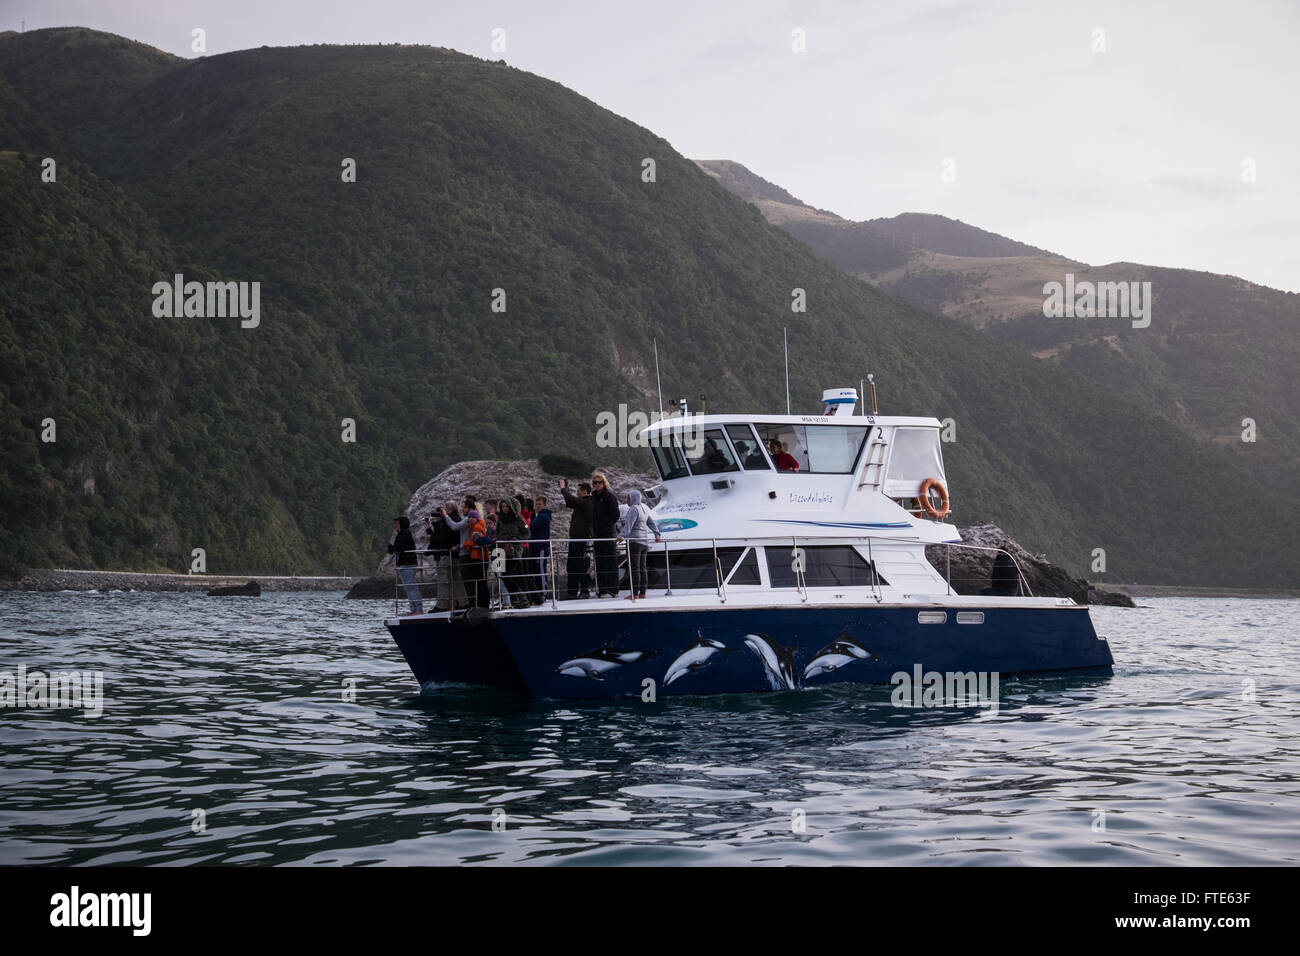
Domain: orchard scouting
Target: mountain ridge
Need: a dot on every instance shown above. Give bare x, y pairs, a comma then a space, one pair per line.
377, 299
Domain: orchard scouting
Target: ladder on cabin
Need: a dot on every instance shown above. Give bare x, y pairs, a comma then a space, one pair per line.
873, 472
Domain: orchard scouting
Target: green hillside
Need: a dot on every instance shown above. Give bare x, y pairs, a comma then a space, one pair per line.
376, 305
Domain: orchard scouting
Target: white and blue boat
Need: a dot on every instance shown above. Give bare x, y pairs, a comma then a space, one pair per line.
771, 578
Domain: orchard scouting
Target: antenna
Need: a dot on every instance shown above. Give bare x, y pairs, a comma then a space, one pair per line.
785, 333
658, 387
862, 390
872, 379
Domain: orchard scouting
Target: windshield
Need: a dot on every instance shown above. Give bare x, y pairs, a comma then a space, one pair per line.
711, 456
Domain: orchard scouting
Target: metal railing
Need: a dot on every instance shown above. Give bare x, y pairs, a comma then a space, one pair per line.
1023, 588
524, 573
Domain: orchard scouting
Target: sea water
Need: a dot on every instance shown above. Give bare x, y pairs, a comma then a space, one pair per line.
286, 729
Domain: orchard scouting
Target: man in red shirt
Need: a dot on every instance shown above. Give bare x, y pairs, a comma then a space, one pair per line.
783, 460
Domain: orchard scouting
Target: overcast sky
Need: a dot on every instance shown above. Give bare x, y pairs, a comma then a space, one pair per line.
1143, 152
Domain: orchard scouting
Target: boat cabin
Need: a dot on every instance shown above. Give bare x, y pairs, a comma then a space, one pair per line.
866, 467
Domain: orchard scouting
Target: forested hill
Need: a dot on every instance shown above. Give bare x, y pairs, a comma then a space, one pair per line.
377, 305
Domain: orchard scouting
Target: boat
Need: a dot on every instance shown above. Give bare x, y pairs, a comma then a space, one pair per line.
793, 556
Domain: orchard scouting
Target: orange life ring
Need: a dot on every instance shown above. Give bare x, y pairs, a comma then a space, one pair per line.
934, 484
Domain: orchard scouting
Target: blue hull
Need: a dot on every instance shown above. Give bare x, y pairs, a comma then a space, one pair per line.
740, 650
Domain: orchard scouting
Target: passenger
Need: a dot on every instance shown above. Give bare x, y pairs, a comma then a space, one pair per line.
462, 526
475, 549
604, 527
539, 551
526, 511
510, 530
443, 542
635, 529
494, 586
714, 456
753, 456
579, 584
1004, 581
783, 460
406, 562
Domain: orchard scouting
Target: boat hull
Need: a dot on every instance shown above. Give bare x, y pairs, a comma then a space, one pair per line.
742, 649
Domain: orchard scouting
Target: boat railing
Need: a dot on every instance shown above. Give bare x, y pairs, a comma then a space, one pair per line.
1022, 584
523, 573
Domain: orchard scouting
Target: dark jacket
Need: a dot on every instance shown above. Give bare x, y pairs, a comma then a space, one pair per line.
443, 537
604, 514
511, 527
404, 546
580, 526
540, 530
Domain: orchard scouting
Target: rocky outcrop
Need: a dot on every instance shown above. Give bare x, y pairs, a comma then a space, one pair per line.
500, 479
971, 570
251, 589
485, 480
375, 587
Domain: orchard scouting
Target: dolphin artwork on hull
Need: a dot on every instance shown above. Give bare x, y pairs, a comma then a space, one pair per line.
843, 650
596, 664
778, 661
695, 657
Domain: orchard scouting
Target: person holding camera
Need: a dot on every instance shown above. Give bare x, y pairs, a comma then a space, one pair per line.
444, 540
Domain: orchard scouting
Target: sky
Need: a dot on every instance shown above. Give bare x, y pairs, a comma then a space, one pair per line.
1164, 133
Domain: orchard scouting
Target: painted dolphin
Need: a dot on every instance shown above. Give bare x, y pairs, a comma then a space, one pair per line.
595, 664
694, 658
778, 661
836, 654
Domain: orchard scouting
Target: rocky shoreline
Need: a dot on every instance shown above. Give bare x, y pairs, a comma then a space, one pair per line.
73, 580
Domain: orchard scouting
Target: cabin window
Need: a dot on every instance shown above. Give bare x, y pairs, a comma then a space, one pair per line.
914, 456
694, 569
833, 449
749, 451
712, 456
818, 449
931, 617
747, 570
825, 566
668, 457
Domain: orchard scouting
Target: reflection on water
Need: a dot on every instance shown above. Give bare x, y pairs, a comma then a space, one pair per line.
230, 734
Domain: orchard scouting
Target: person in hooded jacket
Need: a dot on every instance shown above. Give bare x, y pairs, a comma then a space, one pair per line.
635, 528
407, 562
579, 583
604, 525
511, 527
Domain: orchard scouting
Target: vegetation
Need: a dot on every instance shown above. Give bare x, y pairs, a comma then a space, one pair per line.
377, 306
